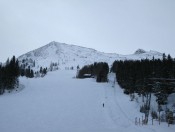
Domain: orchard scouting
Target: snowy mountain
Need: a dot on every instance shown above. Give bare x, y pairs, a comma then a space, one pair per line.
59, 102
71, 56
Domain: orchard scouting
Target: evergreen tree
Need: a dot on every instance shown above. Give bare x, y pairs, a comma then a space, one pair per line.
9, 75
33, 63
45, 71
31, 74
41, 70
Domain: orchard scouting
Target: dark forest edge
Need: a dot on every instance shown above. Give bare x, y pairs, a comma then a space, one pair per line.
9, 73
97, 70
147, 77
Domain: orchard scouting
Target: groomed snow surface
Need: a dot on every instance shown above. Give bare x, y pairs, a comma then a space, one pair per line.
60, 103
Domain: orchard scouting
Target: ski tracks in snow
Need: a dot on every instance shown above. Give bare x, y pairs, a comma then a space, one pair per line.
113, 108
116, 111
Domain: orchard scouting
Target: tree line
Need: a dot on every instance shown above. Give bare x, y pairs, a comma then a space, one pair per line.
9, 73
146, 77
26, 70
29, 73
142, 75
98, 70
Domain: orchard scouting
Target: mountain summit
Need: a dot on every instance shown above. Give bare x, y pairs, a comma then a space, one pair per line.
139, 51
66, 55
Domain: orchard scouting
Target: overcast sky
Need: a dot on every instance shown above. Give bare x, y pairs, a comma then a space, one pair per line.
117, 26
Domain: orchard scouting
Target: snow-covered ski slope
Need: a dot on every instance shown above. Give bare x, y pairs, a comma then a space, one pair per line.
67, 55
60, 103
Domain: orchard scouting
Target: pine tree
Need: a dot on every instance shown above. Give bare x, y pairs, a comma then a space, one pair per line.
9, 75
33, 63
31, 73
41, 70
44, 71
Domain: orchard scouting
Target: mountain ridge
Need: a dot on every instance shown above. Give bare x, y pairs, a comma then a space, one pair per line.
69, 55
